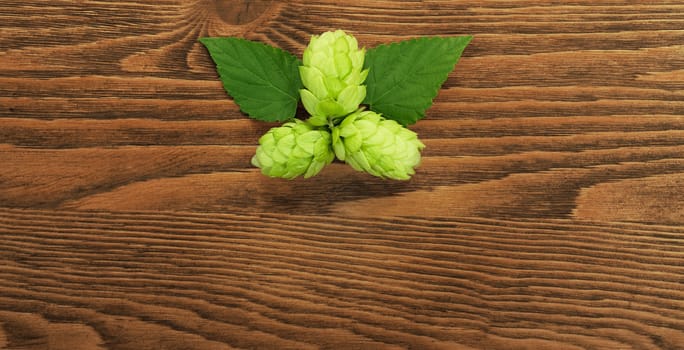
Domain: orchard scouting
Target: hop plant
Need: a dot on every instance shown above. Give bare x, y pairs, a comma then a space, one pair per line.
332, 73
381, 147
399, 83
294, 149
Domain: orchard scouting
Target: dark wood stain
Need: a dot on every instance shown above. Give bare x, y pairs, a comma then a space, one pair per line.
547, 212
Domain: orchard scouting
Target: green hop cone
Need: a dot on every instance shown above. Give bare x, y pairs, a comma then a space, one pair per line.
382, 147
294, 149
332, 73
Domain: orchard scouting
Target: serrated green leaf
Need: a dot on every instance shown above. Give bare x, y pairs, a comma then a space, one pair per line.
405, 77
262, 79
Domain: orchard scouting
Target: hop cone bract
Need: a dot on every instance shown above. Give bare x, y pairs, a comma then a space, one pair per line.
382, 147
332, 73
294, 149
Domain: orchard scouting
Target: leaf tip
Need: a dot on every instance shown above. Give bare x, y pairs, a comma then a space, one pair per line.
205, 41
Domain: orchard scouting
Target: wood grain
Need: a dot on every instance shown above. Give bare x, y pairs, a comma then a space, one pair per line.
281, 281
547, 212
548, 101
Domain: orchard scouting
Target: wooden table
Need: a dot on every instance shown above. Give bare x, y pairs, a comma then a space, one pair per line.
548, 212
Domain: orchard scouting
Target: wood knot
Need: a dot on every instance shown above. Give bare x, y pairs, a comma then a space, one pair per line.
237, 12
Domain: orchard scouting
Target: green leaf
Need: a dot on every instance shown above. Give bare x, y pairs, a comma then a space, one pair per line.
263, 80
405, 77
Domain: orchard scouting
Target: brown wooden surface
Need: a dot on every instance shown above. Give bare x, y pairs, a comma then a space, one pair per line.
548, 212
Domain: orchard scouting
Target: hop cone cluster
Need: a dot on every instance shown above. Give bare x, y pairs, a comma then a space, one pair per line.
381, 147
294, 149
332, 73
333, 76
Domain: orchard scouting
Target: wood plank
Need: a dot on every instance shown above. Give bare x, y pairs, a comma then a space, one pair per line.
538, 179
174, 280
87, 133
550, 103
156, 69
547, 212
